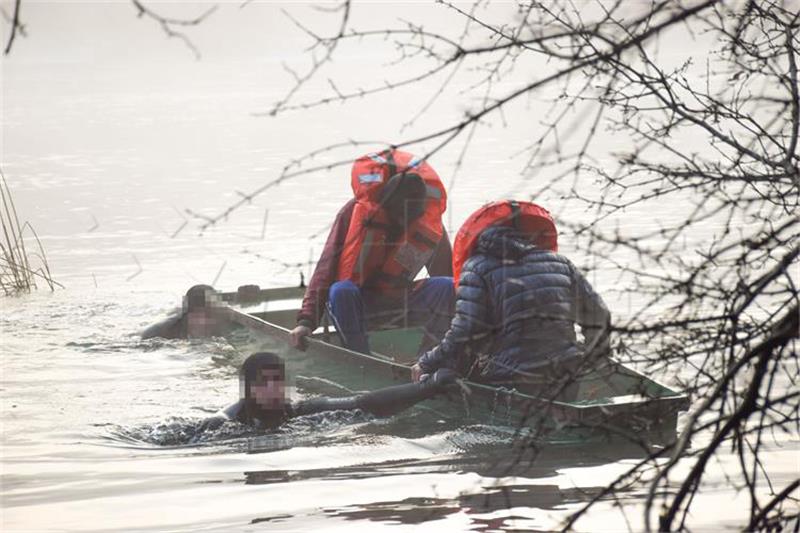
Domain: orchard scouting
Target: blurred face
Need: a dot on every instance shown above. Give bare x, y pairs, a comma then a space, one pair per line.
403, 198
405, 212
201, 307
202, 323
268, 389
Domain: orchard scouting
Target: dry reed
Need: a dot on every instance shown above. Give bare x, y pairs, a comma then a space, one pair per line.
17, 273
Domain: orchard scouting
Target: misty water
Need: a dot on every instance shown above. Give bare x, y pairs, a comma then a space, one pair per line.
110, 132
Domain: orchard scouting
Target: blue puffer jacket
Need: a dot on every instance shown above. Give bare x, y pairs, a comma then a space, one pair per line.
516, 310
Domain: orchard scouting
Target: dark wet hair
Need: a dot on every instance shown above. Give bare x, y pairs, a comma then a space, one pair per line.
248, 374
403, 197
251, 366
196, 297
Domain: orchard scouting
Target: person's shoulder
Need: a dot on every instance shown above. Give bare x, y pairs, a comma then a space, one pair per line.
542, 254
342, 220
347, 208
564, 260
480, 263
172, 327
477, 269
235, 411
550, 262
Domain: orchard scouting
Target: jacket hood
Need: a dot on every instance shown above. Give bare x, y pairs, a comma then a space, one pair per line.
504, 243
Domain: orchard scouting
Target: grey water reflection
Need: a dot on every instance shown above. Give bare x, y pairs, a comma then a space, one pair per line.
484, 501
503, 500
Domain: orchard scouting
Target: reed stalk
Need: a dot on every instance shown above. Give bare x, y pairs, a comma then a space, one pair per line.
16, 272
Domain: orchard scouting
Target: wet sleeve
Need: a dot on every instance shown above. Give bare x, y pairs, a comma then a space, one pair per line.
322, 404
234, 411
392, 400
470, 330
382, 402
324, 276
591, 313
441, 262
173, 327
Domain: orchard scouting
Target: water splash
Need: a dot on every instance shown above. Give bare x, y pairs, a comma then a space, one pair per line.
317, 429
178, 431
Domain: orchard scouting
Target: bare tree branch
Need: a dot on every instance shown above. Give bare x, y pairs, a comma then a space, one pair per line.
168, 24
15, 25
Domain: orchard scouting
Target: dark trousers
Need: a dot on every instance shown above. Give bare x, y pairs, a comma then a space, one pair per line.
430, 303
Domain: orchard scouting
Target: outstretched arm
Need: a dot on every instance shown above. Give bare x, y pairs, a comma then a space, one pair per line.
383, 402
172, 327
392, 400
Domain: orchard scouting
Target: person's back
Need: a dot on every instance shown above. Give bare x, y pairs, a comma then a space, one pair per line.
516, 309
531, 300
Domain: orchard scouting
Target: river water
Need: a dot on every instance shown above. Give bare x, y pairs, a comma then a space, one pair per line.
110, 132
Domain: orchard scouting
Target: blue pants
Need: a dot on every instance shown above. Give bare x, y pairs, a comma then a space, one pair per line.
430, 304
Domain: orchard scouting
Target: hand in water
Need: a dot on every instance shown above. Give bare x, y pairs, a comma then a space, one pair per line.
298, 337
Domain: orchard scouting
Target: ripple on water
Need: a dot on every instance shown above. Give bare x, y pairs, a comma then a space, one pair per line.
176, 432
312, 430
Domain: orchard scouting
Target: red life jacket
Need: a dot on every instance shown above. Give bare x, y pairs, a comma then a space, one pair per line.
527, 217
368, 258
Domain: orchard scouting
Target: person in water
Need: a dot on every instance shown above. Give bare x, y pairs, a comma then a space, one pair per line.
380, 240
518, 302
198, 318
263, 403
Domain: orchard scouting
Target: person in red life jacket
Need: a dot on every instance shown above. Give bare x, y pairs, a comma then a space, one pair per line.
517, 304
381, 239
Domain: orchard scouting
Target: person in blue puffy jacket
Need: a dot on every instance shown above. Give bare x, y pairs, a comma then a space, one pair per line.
517, 304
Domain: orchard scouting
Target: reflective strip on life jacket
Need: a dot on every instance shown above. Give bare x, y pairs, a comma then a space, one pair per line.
433, 192
370, 178
377, 158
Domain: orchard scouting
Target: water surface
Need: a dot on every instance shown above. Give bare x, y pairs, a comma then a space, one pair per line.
110, 132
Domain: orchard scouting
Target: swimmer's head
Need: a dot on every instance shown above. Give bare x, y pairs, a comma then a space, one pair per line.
262, 386
200, 311
199, 297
